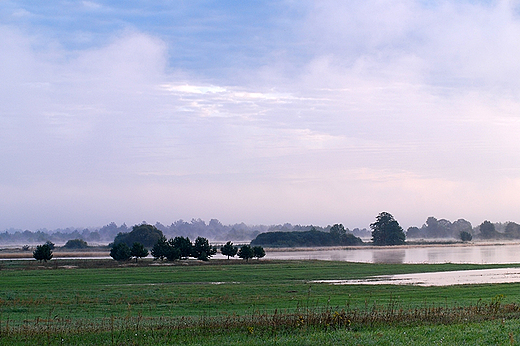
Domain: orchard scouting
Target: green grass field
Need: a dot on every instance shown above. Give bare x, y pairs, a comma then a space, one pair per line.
257, 303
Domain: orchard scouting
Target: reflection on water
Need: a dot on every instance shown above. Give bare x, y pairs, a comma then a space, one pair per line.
477, 254
389, 256
459, 277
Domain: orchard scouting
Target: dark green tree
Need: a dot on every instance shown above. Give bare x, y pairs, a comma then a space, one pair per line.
258, 252
120, 252
138, 251
145, 234
229, 250
160, 249
42, 253
201, 249
76, 244
172, 253
465, 236
246, 252
183, 244
386, 230
50, 244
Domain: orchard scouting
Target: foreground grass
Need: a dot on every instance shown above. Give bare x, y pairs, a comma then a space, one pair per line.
249, 304
493, 332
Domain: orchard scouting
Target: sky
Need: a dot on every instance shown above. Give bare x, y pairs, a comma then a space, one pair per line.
263, 112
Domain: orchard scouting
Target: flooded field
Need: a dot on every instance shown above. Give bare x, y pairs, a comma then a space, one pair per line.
459, 277
458, 253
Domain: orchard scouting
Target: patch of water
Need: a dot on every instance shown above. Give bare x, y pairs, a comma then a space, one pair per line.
447, 278
475, 254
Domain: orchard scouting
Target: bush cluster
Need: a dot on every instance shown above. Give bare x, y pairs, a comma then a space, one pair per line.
182, 248
122, 252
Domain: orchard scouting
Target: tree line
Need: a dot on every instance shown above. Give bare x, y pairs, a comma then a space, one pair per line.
146, 236
385, 231
213, 229
177, 248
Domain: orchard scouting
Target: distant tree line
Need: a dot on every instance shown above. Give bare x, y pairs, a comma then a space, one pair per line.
442, 228
462, 229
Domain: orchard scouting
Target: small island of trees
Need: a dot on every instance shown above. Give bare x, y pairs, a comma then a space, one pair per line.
337, 236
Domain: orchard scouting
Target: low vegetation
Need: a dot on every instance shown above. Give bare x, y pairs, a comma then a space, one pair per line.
247, 303
43, 253
337, 236
75, 244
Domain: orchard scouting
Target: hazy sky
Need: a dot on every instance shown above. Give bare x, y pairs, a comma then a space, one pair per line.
308, 112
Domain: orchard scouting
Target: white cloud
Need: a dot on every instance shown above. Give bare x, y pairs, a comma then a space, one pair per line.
395, 106
91, 5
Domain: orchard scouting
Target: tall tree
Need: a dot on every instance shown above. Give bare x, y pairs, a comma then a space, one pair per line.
386, 230
258, 252
246, 252
202, 250
145, 234
183, 244
229, 250
160, 249
120, 252
138, 251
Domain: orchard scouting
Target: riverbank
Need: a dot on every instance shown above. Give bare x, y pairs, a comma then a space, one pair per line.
341, 253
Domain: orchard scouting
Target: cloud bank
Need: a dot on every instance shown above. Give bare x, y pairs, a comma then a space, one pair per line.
312, 113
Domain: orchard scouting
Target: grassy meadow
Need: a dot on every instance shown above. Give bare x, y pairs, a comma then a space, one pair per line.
85, 302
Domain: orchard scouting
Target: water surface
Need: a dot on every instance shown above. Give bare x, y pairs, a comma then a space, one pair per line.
474, 254
448, 278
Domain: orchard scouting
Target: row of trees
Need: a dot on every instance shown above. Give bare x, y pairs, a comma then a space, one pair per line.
181, 248
149, 236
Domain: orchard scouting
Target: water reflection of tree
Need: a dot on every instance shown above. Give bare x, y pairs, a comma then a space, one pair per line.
488, 254
388, 256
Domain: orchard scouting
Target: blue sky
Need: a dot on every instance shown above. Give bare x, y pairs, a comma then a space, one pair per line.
309, 112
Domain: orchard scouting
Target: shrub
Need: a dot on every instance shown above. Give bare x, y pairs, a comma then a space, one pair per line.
246, 252
258, 252
229, 250
43, 253
201, 250
465, 236
76, 244
120, 252
138, 251
145, 234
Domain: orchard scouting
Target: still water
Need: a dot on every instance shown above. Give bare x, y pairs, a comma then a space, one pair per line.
447, 278
476, 254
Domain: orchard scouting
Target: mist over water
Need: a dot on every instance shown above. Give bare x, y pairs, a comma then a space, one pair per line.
473, 254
